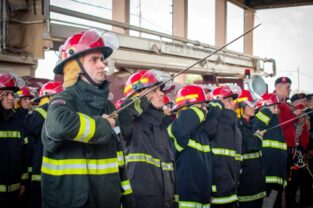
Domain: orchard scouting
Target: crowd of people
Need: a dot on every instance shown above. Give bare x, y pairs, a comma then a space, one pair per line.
223, 148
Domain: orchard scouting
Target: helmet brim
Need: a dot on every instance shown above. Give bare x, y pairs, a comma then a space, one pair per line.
14, 89
106, 51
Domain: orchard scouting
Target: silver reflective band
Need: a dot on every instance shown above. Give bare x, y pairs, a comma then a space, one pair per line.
251, 155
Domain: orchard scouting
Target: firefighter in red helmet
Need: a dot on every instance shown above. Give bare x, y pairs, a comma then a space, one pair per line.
226, 150
83, 163
35, 120
250, 192
273, 148
191, 135
13, 173
148, 155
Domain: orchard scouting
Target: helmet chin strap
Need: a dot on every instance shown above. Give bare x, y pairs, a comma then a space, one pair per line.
85, 74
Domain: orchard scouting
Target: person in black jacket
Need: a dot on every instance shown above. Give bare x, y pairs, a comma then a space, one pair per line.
13, 171
35, 121
274, 149
191, 133
226, 151
251, 189
83, 164
150, 161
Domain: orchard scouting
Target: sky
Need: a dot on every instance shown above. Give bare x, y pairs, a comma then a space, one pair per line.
285, 35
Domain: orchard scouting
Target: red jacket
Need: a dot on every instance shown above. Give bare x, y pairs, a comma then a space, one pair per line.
289, 129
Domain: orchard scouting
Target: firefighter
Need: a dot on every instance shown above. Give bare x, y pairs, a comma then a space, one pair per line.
24, 102
13, 171
35, 122
148, 155
299, 177
226, 151
190, 133
274, 149
23, 107
82, 162
251, 189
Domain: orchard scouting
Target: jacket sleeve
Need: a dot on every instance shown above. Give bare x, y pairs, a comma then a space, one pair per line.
63, 123
262, 119
211, 120
132, 112
36, 120
182, 127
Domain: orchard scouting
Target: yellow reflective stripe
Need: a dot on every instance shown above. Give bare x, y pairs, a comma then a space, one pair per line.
10, 188
36, 177
87, 128
137, 104
145, 158
126, 187
42, 112
214, 188
167, 166
262, 117
187, 97
25, 176
176, 198
199, 112
251, 155
190, 204
274, 144
275, 179
224, 200
29, 169
140, 157
227, 152
130, 86
239, 100
177, 146
198, 146
252, 197
10, 134
216, 105
79, 166
25, 140
120, 158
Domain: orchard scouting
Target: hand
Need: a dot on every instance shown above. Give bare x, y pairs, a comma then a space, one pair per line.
297, 112
1, 94
167, 111
114, 115
260, 133
22, 190
109, 119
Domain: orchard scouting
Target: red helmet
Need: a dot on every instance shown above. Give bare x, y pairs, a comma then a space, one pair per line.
50, 88
82, 43
119, 103
245, 99
24, 92
225, 92
139, 81
8, 82
189, 95
269, 99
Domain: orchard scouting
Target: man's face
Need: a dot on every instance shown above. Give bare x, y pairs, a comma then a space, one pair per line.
283, 89
94, 65
157, 98
26, 103
7, 99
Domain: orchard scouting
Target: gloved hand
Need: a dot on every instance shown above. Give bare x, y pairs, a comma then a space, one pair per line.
260, 133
